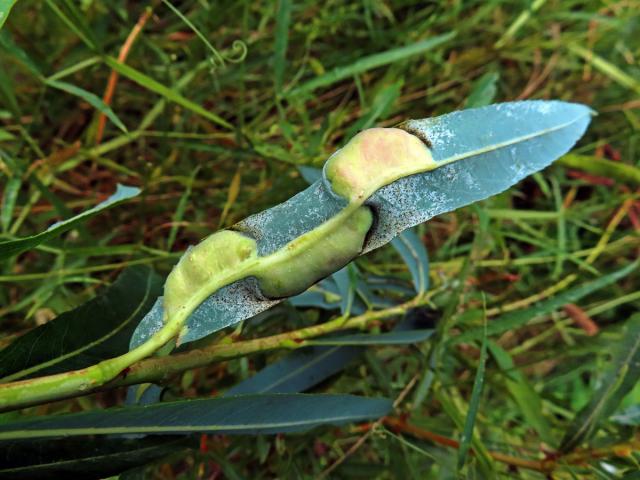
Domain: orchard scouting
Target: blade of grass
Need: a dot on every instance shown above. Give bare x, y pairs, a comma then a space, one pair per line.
5, 9
92, 99
182, 205
606, 67
474, 403
283, 19
168, 93
370, 62
599, 166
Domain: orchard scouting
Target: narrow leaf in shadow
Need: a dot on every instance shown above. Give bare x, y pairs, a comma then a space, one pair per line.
83, 459
298, 371
15, 247
391, 338
245, 414
414, 254
95, 331
308, 366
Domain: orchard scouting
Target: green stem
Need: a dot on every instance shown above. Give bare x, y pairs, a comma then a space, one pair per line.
64, 385
160, 369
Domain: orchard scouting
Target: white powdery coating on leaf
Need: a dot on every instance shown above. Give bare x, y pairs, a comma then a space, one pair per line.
410, 200
229, 305
149, 325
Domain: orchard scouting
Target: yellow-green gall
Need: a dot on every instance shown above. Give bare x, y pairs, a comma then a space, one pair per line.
216, 256
375, 158
314, 255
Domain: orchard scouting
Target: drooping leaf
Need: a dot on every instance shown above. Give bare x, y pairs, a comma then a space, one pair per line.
5, 9
14, 247
414, 254
308, 366
84, 459
617, 382
95, 331
402, 337
298, 371
513, 320
477, 153
244, 414
92, 99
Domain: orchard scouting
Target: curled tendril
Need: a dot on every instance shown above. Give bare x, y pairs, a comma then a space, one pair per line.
236, 54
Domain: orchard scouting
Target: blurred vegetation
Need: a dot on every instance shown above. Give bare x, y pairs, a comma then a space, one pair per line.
222, 101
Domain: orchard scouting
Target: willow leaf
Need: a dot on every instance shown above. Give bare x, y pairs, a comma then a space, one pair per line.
96, 330
472, 155
245, 414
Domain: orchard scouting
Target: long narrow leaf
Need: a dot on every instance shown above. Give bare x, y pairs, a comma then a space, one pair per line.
414, 254
95, 331
247, 414
14, 247
370, 62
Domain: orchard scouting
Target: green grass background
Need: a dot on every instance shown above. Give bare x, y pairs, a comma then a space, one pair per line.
214, 133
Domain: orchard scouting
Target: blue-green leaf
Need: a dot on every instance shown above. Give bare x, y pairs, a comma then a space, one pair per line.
15, 247
402, 337
245, 414
308, 366
479, 152
298, 371
82, 458
414, 254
